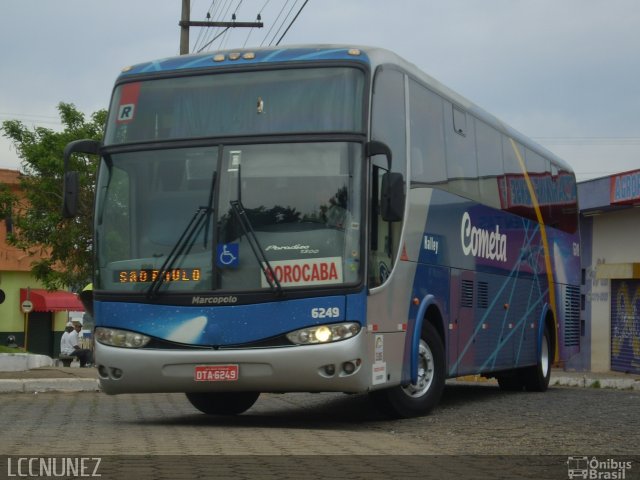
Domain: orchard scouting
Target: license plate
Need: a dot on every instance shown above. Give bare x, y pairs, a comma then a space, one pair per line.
216, 373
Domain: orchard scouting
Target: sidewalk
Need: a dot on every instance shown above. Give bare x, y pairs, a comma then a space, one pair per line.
561, 378
73, 379
50, 379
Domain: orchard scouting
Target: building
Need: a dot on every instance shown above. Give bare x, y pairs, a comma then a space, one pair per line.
610, 229
50, 311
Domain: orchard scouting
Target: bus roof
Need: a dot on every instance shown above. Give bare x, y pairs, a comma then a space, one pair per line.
371, 56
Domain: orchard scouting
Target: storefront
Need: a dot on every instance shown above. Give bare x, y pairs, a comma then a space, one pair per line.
610, 228
45, 315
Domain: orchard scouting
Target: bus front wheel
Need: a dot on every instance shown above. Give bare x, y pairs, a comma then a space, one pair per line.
419, 398
222, 403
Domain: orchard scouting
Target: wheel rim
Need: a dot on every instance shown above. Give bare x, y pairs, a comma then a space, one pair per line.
425, 372
544, 356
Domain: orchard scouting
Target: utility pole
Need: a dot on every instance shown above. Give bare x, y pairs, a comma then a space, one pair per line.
184, 27
185, 23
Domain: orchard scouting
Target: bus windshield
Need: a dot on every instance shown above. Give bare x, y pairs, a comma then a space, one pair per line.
170, 213
310, 100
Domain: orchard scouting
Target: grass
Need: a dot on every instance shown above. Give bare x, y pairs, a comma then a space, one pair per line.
4, 349
596, 384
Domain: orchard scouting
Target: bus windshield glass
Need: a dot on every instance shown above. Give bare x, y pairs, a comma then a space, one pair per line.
239, 103
173, 214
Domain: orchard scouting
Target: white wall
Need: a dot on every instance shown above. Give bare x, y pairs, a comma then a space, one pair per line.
616, 239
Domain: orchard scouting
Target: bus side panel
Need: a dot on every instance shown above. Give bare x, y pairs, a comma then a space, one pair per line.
565, 251
499, 283
390, 308
387, 322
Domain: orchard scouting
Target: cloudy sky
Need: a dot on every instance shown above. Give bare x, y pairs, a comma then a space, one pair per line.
564, 72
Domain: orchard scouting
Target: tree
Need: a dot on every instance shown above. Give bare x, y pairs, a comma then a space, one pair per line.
64, 247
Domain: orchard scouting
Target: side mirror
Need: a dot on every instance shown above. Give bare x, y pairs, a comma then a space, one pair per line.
392, 197
71, 182
70, 194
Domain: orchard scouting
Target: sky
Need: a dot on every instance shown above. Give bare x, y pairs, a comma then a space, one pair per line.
563, 72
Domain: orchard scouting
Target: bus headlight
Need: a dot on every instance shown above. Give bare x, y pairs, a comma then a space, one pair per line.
120, 338
324, 333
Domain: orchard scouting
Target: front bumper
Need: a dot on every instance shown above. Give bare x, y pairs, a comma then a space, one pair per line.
283, 369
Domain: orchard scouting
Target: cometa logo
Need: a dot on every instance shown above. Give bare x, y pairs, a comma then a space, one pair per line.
482, 243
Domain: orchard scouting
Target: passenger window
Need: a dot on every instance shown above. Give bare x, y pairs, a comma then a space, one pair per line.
427, 136
462, 167
490, 168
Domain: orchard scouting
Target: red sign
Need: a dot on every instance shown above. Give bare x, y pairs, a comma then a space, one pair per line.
312, 271
625, 187
128, 102
216, 373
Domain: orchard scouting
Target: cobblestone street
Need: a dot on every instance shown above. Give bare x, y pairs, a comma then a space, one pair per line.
477, 431
471, 419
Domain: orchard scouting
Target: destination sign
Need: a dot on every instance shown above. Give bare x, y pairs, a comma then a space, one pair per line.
150, 275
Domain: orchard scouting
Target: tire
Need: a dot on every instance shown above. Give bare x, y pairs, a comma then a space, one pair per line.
536, 378
224, 403
419, 399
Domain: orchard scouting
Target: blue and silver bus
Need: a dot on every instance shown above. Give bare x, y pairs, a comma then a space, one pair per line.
322, 219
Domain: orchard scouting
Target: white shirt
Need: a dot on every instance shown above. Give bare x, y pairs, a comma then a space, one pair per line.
68, 341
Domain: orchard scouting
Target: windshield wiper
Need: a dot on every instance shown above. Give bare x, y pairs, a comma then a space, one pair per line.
245, 224
200, 219
184, 243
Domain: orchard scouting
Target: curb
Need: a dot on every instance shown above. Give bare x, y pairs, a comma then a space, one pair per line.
588, 381
40, 385
560, 380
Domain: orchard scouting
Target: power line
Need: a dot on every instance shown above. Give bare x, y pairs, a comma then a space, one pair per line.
202, 32
211, 32
185, 23
294, 19
283, 22
223, 42
213, 39
274, 23
258, 18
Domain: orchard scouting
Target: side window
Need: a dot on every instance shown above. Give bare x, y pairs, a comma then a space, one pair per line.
427, 136
388, 125
116, 213
462, 168
516, 190
389, 118
490, 168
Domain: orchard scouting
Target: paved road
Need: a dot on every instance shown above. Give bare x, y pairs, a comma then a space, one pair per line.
471, 420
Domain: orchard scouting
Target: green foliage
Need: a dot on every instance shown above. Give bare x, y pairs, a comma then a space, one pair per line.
38, 224
4, 349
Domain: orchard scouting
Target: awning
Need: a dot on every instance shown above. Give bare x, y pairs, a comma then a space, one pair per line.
618, 271
56, 301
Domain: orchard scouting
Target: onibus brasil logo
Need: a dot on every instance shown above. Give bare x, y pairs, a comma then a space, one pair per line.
593, 468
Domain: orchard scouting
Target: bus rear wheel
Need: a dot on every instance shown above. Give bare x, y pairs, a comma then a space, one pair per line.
536, 378
419, 398
222, 403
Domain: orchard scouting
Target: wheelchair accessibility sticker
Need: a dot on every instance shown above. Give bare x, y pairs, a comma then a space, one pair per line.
228, 255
